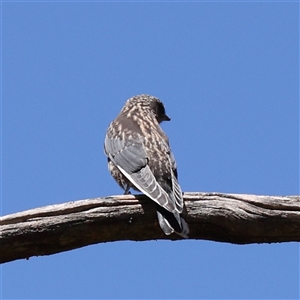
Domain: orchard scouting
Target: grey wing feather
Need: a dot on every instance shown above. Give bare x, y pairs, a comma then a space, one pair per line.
145, 181
164, 224
175, 185
168, 229
131, 159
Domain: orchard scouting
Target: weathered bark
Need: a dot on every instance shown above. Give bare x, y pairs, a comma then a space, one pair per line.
233, 218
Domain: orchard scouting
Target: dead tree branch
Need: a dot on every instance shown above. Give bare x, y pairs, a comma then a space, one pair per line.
232, 218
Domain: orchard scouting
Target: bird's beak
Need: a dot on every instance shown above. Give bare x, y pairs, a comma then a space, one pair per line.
165, 118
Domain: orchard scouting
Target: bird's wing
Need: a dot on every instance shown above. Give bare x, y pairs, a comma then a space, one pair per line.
131, 159
129, 155
176, 189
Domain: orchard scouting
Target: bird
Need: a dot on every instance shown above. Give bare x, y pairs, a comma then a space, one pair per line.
140, 158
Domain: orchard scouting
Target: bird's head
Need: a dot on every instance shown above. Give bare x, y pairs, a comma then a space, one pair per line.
146, 104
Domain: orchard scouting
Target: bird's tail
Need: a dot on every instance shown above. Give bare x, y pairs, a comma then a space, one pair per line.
172, 222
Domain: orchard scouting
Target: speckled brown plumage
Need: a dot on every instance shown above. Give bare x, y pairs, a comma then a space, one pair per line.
139, 157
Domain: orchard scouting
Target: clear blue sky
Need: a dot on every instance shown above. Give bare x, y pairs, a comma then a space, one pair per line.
228, 74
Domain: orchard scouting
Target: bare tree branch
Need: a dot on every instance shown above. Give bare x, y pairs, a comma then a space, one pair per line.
233, 218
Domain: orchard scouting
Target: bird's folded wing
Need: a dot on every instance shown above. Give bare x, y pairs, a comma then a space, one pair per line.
175, 185
130, 155
131, 159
